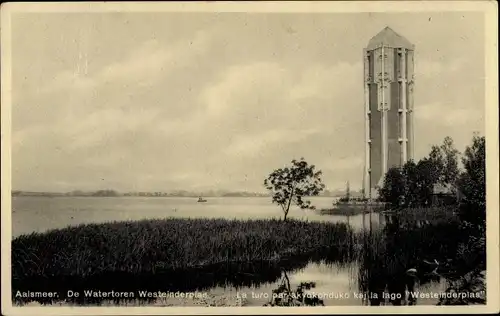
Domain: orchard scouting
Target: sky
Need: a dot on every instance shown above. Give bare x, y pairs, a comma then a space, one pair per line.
207, 101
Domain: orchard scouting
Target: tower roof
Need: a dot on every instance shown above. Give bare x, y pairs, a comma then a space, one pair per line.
388, 37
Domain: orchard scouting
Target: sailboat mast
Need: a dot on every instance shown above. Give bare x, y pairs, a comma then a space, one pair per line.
347, 193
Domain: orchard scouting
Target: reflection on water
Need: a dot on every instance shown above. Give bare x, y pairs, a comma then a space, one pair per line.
285, 295
376, 270
376, 274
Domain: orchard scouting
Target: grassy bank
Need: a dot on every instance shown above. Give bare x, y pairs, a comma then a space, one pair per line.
149, 246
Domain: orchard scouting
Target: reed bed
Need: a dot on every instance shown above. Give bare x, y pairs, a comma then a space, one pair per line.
412, 244
387, 255
148, 246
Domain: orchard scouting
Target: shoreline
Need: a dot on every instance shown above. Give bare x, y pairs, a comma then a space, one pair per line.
131, 255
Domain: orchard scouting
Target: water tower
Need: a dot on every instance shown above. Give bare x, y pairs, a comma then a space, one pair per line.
388, 84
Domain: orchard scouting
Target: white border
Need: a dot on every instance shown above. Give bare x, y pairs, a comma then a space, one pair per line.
490, 10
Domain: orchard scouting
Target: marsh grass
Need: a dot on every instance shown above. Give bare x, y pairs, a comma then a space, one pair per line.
149, 246
387, 255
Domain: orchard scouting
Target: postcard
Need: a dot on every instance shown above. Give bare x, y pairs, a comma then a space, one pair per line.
249, 157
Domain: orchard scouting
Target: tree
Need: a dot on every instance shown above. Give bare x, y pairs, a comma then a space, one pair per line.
424, 182
412, 185
291, 184
472, 182
450, 154
444, 159
393, 188
409, 186
437, 161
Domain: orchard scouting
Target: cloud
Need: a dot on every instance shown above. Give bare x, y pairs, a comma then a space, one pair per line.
253, 81
102, 126
320, 80
432, 68
270, 93
142, 66
100, 109
438, 113
255, 144
345, 163
219, 102
434, 121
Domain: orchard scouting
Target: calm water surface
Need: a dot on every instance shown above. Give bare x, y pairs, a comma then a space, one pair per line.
39, 214
338, 282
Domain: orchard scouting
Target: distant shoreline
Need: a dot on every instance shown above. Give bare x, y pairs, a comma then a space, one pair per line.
106, 193
152, 196
140, 196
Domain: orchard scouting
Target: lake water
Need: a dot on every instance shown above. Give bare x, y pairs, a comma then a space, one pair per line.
39, 214
337, 282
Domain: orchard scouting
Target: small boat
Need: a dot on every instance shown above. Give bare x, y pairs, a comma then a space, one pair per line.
201, 200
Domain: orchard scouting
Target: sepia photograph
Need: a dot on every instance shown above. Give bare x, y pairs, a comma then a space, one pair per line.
333, 156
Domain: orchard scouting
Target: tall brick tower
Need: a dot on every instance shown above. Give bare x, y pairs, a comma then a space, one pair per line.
388, 82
